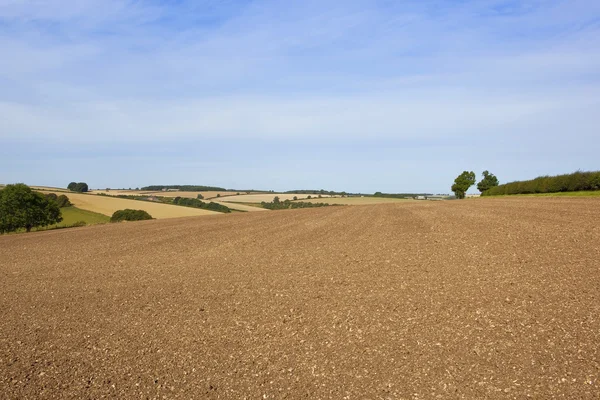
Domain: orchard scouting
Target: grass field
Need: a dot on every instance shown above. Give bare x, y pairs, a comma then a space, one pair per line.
583, 193
73, 215
108, 205
487, 299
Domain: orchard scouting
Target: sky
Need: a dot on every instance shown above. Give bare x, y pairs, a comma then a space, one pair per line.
347, 95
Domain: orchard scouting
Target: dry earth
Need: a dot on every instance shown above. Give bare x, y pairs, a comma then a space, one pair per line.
108, 205
480, 299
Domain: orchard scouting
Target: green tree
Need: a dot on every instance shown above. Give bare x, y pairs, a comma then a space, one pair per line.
81, 187
130, 215
276, 200
489, 181
21, 207
462, 183
200, 197
63, 201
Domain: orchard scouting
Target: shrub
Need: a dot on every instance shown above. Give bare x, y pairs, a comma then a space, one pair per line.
63, 201
51, 196
200, 197
130, 215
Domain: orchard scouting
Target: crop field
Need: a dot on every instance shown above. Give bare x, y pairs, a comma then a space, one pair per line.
485, 299
108, 205
160, 193
193, 195
239, 206
357, 200
268, 197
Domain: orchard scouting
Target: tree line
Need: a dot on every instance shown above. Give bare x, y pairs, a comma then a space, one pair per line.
277, 204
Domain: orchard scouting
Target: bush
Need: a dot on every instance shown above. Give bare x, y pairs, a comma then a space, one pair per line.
51, 196
200, 197
130, 215
63, 201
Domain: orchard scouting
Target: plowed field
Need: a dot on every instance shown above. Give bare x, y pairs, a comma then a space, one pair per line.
485, 299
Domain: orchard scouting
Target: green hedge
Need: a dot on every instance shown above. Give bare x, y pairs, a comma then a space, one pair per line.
188, 202
285, 205
574, 182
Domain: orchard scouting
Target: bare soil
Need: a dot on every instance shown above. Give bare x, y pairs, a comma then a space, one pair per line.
489, 299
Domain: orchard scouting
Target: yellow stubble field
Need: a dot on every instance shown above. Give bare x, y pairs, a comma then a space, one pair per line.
108, 205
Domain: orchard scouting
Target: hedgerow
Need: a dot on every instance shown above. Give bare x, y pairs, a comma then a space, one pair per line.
574, 182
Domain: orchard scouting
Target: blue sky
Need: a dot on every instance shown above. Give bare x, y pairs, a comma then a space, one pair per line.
362, 96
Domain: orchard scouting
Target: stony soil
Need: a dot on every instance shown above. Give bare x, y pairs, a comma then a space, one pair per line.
419, 300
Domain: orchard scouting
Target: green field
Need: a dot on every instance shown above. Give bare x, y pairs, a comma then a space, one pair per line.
582, 193
75, 216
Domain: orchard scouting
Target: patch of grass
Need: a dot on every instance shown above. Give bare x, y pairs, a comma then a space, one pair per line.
582, 193
73, 216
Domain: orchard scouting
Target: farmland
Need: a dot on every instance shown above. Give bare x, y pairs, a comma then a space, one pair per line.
493, 298
108, 205
268, 197
357, 200
192, 195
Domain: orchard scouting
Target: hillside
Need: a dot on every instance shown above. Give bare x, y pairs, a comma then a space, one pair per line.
108, 205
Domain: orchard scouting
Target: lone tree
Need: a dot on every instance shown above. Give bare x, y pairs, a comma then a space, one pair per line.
489, 181
462, 183
21, 207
